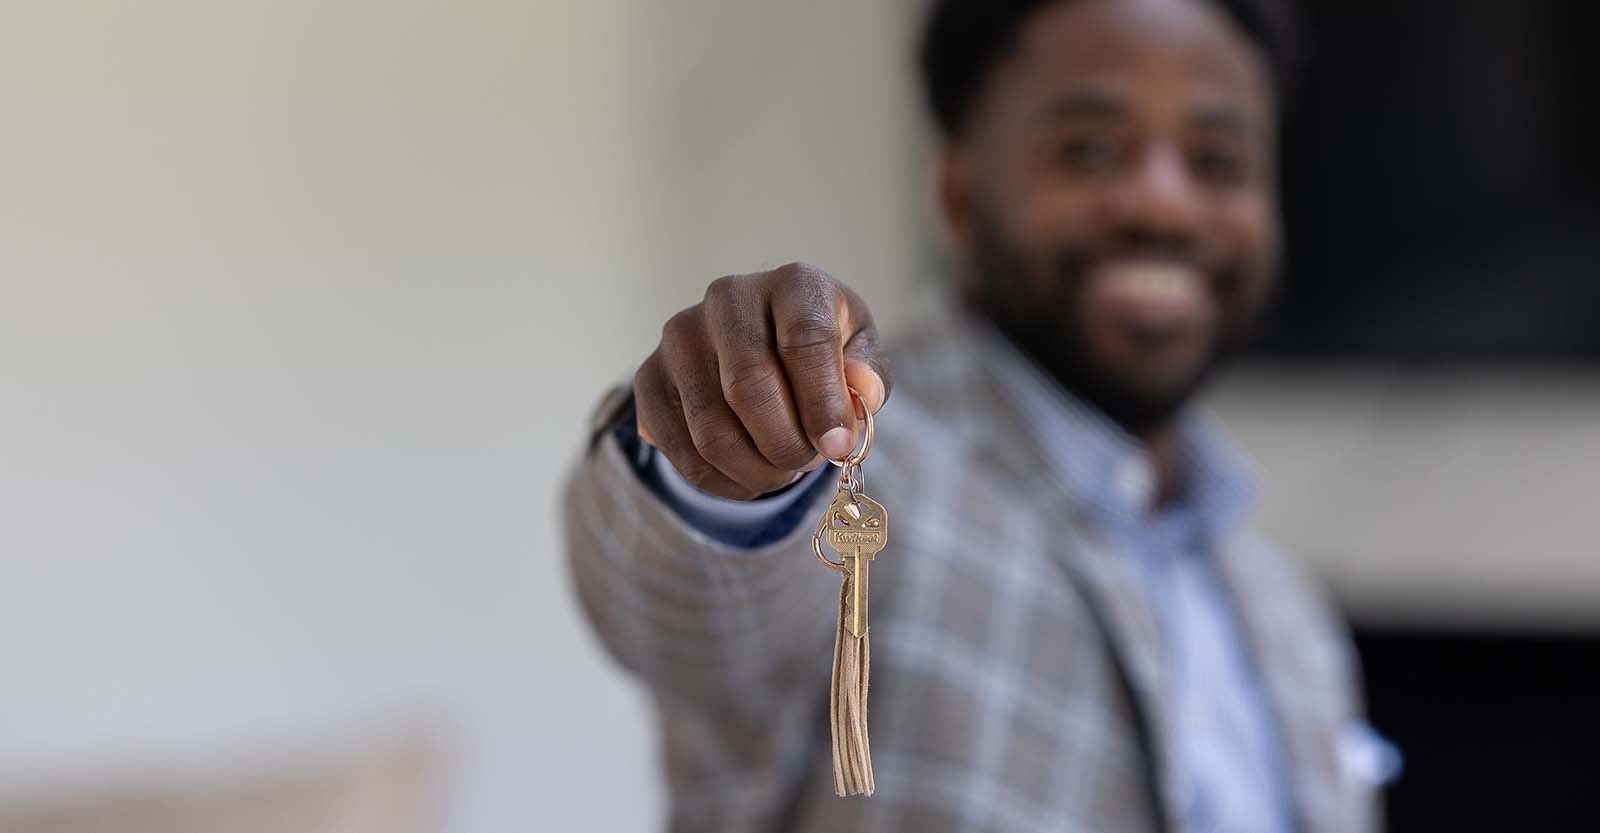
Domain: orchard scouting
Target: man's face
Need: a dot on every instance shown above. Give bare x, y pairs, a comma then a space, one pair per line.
1114, 193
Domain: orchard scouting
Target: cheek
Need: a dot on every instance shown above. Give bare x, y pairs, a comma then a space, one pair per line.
1051, 216
1040, 208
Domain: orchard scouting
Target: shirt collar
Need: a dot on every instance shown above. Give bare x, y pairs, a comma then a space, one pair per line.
1106, 470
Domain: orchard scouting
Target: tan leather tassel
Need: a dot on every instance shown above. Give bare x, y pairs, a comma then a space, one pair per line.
856, 527
847, 702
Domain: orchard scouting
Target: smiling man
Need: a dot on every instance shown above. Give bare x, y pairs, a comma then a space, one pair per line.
1074, 630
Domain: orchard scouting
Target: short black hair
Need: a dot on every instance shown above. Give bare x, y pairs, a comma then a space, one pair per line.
963, 40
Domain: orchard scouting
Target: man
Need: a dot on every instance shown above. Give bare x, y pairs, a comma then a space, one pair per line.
1072, 630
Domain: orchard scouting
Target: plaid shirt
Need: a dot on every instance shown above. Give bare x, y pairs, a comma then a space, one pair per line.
1017, 677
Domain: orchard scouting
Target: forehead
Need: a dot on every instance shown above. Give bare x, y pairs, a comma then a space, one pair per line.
1160, 56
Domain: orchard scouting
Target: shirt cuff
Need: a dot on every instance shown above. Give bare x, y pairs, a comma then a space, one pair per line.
711, 510
740, 523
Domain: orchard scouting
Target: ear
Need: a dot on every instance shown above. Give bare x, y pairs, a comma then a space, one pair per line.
954, 182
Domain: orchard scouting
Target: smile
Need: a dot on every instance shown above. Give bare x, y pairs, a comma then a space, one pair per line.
1149, 293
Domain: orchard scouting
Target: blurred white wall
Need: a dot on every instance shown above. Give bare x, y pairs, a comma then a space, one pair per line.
1447, 498
304, 305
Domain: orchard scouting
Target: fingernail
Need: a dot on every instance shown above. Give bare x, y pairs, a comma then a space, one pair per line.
836, 443
797, 476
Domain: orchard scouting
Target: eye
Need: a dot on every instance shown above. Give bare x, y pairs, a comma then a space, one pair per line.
1218, 165
1092, 153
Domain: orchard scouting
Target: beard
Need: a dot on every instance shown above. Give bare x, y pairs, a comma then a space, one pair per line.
1038, 305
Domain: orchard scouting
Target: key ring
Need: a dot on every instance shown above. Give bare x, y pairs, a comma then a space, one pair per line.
850, 479
816, 547
855, 457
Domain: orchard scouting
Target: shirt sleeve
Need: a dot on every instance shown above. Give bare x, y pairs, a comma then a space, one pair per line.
746, 524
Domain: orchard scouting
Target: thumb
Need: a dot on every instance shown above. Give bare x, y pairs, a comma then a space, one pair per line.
866, 369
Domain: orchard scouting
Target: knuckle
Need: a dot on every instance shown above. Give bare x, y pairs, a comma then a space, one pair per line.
724, 287
742, 331
716, 441
753, 387
793, 452
735, 316
664, 437
681, 327
697, 398
650, 388
818, 288
801, 272
705, 477
811, 331
665, 442
699, 473
809, 346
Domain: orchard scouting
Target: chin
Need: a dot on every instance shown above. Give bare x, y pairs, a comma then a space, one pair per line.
1168, 382
1143, 396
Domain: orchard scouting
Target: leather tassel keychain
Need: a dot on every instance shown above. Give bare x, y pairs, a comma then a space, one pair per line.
856, 527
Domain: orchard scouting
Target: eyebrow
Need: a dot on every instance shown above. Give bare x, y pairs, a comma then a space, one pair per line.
1088, 104
1083, 104
1224, 119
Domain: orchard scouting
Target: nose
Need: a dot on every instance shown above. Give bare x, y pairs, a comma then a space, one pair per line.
1157, 198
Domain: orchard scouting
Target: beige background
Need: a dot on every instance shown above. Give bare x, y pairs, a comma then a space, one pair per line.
304, 303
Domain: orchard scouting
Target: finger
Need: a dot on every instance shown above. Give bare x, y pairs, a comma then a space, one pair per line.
866, 367
660, 414
640, 427
810, 323
648, 390
720, 437
753, 381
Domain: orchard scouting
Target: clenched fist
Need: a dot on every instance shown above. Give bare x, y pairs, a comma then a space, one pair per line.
747, 390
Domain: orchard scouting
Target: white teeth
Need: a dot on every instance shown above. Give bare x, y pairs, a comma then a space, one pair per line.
1154, 281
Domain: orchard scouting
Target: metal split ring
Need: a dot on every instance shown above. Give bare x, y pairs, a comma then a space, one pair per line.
850, 479
855, 457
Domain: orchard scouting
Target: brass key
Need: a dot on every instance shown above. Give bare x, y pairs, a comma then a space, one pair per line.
858, 527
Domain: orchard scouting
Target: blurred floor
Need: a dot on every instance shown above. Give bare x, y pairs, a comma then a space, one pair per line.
387, 789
